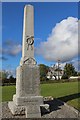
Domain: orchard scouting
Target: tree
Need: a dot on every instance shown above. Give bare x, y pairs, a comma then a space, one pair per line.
12, 79
65, 76
3, 76
69, 70
78, 73
43, 71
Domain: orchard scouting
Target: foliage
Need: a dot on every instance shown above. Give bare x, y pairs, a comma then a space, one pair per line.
12, 79
3, 77
69, 70
8, 81
43, 72
4, 74
78, 73
65, 76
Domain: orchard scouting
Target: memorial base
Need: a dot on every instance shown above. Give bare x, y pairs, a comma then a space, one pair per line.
26, 105
27, 99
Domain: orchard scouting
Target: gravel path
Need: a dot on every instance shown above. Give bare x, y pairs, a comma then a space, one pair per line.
58, 109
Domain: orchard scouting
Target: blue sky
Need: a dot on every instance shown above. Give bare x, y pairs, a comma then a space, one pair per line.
46, 15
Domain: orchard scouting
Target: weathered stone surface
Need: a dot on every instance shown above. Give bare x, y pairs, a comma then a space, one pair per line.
58, 111
27, 92
16, 109
27, 74
33, 111
28, 34
29, 100
27, 81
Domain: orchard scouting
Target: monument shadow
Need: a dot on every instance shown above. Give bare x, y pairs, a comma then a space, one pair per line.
56, 103
53, 106
69, 97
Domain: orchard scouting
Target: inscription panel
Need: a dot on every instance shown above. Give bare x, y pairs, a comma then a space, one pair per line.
30, 80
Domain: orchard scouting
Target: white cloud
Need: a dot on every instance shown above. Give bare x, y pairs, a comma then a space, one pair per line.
15, 50
10, 72
11, 49
74, 62
62, 43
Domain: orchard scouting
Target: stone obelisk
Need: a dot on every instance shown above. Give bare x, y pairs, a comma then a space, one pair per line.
27, 99
28, 35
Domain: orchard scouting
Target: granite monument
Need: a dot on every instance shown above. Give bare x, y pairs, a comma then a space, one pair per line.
27, 99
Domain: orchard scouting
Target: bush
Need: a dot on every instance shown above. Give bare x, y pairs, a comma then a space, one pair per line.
42, 78
64, 76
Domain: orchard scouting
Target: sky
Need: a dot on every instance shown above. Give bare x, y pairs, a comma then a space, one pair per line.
41, 1
55, 33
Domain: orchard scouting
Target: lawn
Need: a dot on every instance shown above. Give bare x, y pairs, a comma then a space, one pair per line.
67, 92
59, 89
7, 92
63, 91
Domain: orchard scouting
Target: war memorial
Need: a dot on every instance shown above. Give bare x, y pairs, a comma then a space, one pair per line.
27, 102
27, 99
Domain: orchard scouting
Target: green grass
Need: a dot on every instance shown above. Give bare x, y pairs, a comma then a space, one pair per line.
57, 90
7, 92
75, 103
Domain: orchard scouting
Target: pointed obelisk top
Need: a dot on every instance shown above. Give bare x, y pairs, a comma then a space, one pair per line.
28, 5
28, 36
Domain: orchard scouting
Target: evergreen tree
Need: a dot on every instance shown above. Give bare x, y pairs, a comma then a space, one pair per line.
69, 70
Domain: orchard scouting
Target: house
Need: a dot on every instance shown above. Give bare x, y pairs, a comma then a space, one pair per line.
55, 73
74, 77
